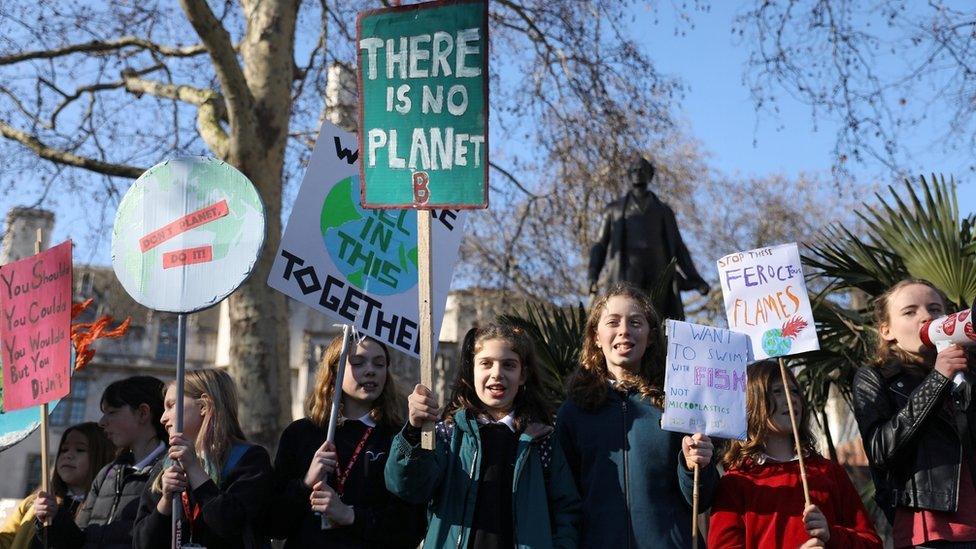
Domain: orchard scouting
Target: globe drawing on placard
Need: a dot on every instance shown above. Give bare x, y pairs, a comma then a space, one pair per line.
376, 250
187, 234
779, 341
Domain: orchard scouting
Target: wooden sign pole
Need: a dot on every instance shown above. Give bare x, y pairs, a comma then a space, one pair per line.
426, 317
694, 509
788, 391
45, 436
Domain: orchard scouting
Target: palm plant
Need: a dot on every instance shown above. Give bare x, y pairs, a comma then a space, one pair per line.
558, 336
916, 232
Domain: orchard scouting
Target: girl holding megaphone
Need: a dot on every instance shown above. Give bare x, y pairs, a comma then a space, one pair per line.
918, 426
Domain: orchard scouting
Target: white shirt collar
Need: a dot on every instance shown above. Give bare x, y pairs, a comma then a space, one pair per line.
152, 456
508, 421
367, 420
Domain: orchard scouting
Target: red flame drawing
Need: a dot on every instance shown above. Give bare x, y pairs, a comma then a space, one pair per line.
793, 327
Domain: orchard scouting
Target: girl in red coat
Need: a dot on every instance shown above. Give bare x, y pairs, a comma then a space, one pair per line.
759, 502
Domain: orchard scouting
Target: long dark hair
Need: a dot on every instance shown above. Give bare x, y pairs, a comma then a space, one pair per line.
530, 405
588, 384
135, 391
100, 452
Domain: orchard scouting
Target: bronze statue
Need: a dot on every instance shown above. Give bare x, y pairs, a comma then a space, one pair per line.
638, 238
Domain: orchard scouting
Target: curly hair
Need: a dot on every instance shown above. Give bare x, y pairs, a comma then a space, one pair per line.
587, 386
387, 408
759, 411
530, 405
888, 352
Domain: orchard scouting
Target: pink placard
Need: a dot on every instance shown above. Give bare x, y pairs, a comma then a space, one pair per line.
35, 302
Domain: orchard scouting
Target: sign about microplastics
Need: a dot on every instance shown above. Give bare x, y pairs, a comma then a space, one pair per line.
705, 380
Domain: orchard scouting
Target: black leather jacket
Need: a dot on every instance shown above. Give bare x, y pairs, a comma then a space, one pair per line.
911, 437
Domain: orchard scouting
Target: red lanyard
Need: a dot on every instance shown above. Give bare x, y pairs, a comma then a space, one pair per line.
343, 474
190, 517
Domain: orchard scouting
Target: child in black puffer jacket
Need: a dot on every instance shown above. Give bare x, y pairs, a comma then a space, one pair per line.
131, 409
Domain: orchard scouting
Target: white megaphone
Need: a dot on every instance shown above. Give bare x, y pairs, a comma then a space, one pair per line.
956, 328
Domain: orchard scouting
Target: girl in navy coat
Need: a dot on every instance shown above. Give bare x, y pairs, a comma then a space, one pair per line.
635, 479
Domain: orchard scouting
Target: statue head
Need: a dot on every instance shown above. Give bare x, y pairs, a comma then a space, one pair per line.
640, 173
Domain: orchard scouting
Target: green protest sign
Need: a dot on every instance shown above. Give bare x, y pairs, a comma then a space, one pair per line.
423, 117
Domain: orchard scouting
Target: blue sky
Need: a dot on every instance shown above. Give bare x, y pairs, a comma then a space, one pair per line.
716, 110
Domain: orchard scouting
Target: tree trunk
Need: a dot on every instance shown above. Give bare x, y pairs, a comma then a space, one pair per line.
259, 315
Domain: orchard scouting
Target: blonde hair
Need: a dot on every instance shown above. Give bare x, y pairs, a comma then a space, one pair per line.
759, 409
887, 352
588, 384
220, 428
387, 408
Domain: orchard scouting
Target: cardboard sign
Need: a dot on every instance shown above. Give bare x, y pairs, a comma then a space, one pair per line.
16, 425
35, 300
359, 265
187, 234
705, 380
766, 297
423, 127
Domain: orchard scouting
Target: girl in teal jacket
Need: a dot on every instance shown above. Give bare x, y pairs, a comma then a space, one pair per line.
497, 477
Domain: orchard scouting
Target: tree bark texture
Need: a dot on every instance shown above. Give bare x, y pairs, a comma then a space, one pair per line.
257, 97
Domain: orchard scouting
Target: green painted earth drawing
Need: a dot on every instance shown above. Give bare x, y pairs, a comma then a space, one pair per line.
376, 250
775, 344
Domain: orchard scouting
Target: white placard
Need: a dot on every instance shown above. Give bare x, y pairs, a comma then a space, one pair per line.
705, 380
359, 265
187, 234
766, 297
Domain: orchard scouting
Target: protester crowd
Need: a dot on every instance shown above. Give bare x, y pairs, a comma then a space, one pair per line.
507, 470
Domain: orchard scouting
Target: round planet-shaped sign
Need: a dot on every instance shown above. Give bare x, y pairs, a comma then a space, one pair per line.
187, 234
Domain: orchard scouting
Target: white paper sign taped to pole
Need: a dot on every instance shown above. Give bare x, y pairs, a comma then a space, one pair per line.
705, 380
766, 297
359, 265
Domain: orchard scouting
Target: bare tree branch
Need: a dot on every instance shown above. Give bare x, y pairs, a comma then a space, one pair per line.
232, 82
180, 92
99, 46
64, 157
508, 175
211, 108
23, 110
